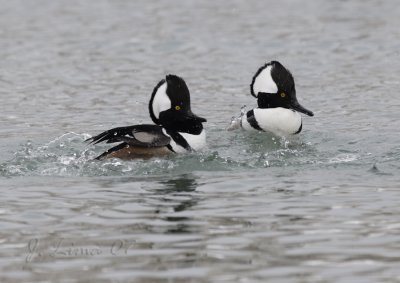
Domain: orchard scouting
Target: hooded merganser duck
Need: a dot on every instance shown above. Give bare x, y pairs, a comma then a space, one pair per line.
278, 108
176, 128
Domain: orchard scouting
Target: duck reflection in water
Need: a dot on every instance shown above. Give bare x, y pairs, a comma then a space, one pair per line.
182, 193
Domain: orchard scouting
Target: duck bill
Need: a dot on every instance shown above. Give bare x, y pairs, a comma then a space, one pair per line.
190, 115
295, 105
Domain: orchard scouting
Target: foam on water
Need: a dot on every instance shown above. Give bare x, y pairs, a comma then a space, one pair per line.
69, 155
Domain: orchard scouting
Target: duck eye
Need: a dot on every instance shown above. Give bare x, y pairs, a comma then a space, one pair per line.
177, 107
283, 94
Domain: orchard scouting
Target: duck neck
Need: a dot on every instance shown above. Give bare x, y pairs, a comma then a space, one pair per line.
270, 100
184, 126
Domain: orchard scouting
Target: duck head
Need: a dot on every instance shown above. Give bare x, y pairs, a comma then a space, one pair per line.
273, 86
169, 106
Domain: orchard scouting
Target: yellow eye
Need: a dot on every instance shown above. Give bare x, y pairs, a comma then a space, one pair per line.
283, 94
177, 107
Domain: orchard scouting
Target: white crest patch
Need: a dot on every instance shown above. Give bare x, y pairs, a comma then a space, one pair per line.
264, 82
161, 101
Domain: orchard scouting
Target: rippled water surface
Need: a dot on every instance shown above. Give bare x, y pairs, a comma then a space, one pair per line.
320, 207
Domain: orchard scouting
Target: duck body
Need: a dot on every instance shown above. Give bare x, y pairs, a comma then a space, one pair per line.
146, 141
279, 121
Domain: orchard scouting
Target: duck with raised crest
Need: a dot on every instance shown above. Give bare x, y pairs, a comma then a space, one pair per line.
176, 128
278, 110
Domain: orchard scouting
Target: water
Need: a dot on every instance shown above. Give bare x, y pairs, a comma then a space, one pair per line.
321, 207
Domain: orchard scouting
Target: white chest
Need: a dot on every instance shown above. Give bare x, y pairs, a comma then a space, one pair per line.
279, 121
196, 142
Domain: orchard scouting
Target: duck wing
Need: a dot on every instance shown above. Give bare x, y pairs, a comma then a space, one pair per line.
137, 135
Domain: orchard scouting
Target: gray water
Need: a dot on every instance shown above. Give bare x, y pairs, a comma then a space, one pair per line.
321, 207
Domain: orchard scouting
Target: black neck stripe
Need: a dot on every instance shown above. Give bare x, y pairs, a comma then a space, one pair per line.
180, 140
299, 130
252, 120
170, 148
